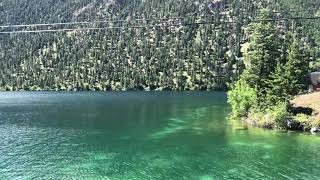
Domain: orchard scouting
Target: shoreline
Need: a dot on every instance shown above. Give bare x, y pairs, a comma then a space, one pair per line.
120, 90
303, 116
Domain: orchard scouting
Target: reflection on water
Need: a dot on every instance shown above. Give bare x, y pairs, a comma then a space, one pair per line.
140, 135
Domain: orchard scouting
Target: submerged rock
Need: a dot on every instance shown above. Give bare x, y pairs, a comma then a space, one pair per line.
240, 128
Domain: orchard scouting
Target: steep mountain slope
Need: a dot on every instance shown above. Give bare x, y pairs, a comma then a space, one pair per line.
194, 52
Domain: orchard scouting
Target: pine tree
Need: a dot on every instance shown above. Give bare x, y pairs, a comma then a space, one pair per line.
263, 55
278, 87
296, 69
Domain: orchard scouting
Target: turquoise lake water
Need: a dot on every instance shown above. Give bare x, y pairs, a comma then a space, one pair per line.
142, 135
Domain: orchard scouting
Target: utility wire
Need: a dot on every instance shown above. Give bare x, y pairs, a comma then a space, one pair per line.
128, 20
104, 28
292, 11
165, 25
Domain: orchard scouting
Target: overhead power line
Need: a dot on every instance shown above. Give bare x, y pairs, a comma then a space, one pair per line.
102, 28
84, 22
151, 26
292, 11
128, 20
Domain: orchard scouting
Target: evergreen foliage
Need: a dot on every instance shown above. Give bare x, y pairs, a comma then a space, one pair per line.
242, 98
187, 57
296, 68
263, 56
271, 77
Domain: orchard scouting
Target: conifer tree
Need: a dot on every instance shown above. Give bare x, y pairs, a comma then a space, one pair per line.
296, 69
263, 55
278, 86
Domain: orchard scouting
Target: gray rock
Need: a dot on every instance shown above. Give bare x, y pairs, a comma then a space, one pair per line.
294, 125
315, 129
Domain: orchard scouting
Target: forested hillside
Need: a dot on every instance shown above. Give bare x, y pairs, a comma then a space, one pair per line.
145, 45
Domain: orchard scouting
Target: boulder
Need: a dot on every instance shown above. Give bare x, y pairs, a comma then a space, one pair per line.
315, 78
293, 125
315, 130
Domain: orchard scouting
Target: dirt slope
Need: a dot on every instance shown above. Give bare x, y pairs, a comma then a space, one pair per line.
309, 101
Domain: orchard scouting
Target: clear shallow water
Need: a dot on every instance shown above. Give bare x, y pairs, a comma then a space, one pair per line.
140, 135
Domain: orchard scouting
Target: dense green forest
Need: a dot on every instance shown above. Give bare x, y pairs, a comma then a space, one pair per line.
277, 66
203, 49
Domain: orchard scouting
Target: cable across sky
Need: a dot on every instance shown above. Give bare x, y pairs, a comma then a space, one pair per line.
129, 20
141, 26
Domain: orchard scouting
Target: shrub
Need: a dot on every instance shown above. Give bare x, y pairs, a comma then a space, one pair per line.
242, 98
316, 123
260, 119
315, 66
279, 114
302, 118
35, 88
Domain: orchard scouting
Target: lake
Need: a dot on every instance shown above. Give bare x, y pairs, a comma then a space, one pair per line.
142, 135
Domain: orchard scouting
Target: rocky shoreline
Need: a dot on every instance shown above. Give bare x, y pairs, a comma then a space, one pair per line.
303, 115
